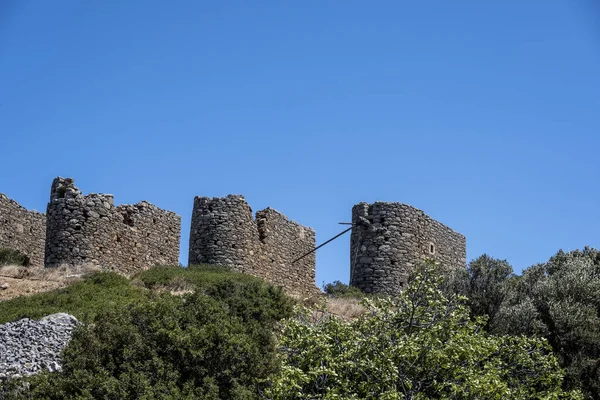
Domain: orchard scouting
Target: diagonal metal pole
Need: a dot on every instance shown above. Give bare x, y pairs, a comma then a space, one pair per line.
323, 244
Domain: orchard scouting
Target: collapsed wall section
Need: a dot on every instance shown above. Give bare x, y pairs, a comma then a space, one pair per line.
390, 239
283, 241
90, 229
22, 230
223, 232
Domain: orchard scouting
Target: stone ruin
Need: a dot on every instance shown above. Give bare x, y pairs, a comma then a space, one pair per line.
224, 232
389, 239
22, 230
92, 230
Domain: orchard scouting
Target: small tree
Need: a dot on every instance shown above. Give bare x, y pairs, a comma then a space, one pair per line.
485, 289
340, 289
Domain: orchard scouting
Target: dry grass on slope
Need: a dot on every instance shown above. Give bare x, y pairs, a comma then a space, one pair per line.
347, 308
23, 281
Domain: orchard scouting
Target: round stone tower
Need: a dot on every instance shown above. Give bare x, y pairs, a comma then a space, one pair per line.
72, 222
390, 239
223, 232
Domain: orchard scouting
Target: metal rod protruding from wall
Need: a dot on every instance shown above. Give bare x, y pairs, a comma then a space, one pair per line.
323, 244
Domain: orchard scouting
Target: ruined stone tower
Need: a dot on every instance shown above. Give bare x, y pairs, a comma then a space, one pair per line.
223, 232
389, 239
91, 230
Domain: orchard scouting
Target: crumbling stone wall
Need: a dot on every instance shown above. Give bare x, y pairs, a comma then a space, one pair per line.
391, 238
22, 230
90, 229
223, 232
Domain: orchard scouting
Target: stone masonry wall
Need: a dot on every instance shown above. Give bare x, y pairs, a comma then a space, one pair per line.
223, 232
22, 230
391, 238
90, 229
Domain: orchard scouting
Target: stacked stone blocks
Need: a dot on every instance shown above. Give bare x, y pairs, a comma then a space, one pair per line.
22, 230
390, 239
91, 230
387, 242
224, 232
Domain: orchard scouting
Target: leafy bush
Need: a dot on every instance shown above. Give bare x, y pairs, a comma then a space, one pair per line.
196, 346
486, 286
199, 277
560, 301
419, 345
339, 289
13, 257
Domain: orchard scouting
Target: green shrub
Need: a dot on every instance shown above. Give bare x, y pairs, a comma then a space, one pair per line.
13, 257
83, 299
339, 289
199, 277
560, 300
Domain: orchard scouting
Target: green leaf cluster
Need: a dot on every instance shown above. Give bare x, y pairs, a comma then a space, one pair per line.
341, 290
421, 344
560, 300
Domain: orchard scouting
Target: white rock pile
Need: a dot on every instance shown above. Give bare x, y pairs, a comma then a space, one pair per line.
27, 346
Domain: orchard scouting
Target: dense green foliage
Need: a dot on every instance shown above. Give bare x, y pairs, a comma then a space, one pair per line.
13, 257
214, 343
483, 283
340, 289
218, 338
194, 277
560, 301
419, 345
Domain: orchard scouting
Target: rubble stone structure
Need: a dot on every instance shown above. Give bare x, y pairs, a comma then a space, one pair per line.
90, 229
22, 230
389, 239
223, 232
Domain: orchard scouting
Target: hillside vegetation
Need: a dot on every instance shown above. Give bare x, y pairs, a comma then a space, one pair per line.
206, 333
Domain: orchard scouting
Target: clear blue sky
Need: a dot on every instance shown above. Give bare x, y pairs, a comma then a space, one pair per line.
486, 115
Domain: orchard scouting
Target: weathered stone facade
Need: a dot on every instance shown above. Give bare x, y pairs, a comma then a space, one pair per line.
22, 230
90, 229
391, 238
223, 232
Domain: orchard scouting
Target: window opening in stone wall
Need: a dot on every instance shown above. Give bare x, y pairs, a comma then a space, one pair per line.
61, 191
262, 233
431, 248
128, 220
